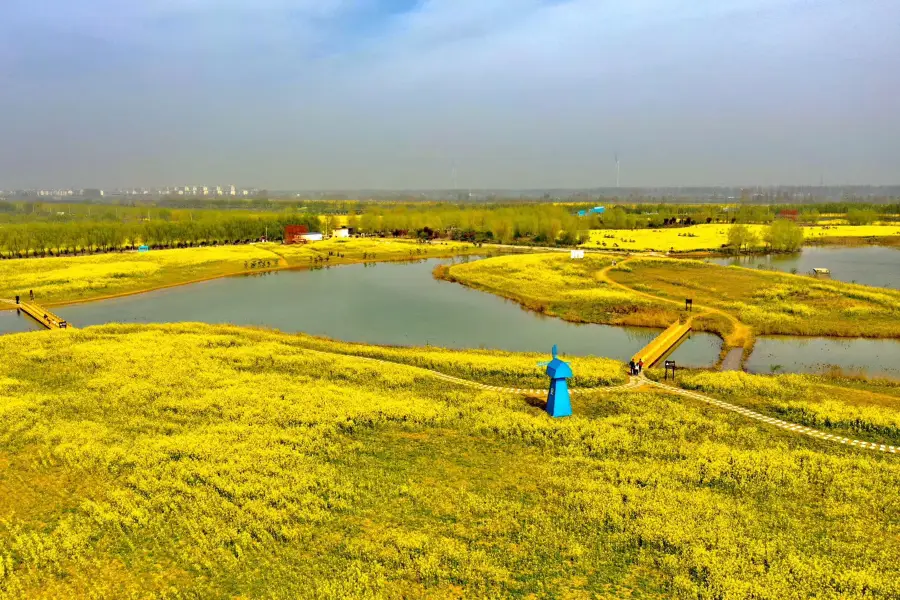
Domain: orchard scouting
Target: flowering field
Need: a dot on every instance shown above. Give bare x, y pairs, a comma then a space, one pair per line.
556, 285
187, 461
493, 367
872, 413
63, 279
714, 236
771, 302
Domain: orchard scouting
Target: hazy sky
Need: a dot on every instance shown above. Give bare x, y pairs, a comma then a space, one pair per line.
392, 94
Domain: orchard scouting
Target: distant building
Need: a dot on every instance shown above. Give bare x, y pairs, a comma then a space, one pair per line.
789, 214
293, 234
312, 237
233, 191
341, 232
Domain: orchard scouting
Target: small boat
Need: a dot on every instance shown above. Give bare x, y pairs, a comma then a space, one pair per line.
821, 271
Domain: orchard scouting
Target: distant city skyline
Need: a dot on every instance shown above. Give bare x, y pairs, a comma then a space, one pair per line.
449, 94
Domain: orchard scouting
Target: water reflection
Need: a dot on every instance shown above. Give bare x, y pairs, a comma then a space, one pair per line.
869, 265
387, 303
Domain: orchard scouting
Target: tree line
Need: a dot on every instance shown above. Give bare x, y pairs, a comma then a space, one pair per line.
61, 239
783, 235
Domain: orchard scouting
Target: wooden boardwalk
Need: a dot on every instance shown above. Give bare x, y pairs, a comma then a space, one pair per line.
662, 344
43, 316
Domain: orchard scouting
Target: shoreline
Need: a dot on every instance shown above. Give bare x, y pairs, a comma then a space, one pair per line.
444, 275
56, 303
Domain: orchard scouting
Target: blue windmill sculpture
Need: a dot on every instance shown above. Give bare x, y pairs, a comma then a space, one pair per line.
558, 404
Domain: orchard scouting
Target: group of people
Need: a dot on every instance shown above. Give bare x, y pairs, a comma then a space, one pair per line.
636, 367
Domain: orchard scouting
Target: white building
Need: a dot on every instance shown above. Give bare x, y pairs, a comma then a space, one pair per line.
341, 232
233, 191
312, 237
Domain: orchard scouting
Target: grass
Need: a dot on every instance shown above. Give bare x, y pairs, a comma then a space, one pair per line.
219, 462
58, 280
872, 413
493, 367
771, 302
553, 284
713, 237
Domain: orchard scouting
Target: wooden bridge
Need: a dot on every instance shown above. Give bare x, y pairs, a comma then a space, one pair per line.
43, 316
653, 352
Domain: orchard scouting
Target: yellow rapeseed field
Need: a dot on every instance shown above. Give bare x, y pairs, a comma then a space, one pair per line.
873, 413
193, 461
769, 301
64, 279
713, 237
554, 284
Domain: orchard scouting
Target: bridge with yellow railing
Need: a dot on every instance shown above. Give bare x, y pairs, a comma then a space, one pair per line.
43, 316
663, 343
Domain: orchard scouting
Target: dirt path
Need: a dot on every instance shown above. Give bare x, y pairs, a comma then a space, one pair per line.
792, 427
633, 384
741, 335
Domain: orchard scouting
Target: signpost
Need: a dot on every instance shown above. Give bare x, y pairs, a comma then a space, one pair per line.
670, 364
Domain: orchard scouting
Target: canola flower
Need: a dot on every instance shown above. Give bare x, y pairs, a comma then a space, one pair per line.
190, 460
63, 279
768, 301
552, 283
713, 237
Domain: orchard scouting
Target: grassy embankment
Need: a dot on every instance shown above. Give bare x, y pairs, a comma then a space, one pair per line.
577, 291
57, 280
768, 301
554, 284
861, 408
736, 298
200, 461
713, 237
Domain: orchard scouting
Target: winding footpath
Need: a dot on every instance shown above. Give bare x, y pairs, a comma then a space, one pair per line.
741, 335
636, 382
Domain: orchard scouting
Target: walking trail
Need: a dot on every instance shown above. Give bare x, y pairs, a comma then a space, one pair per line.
636, 382
741, 335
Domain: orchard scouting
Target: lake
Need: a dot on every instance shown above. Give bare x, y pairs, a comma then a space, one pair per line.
402, 304
815, 355
877, 266
384, 303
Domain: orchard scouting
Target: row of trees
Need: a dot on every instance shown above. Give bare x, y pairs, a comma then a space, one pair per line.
538, 224
783, 235
101, 236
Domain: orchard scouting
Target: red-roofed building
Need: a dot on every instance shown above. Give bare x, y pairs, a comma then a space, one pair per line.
293, 234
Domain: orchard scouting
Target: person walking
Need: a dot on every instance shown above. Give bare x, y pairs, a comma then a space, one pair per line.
31, 293
631, 366
640, 366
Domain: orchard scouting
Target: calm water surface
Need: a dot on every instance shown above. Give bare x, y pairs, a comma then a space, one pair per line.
402, 304
815, 355
869, 265
386, 303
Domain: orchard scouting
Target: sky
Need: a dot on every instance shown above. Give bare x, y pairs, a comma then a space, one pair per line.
406, 94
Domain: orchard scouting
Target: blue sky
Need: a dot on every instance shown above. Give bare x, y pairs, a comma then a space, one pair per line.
515, 93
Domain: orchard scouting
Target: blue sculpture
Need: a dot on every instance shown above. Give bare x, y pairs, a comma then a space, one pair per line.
558, 404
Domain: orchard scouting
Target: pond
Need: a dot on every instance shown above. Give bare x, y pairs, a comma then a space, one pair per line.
385, 303
815, 355
869, 265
